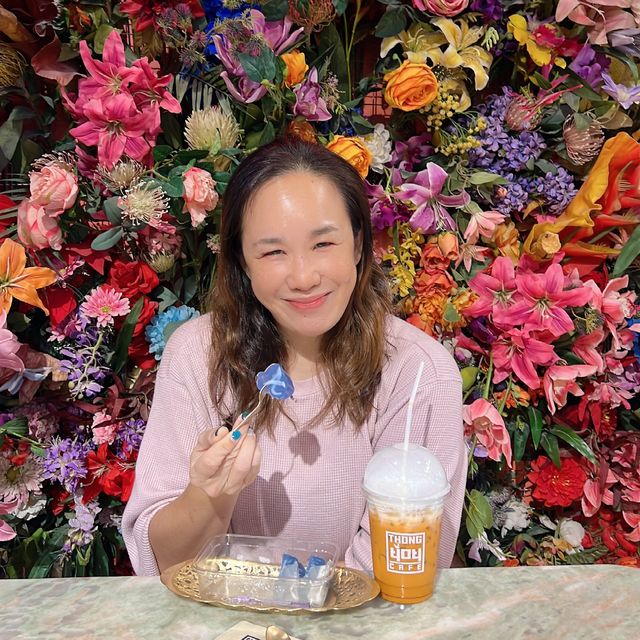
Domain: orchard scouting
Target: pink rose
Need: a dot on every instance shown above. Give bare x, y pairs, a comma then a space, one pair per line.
54, 188
445, 8
199, 194
37, 229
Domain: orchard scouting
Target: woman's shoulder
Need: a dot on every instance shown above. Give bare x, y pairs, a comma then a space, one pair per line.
187, 345
408, 346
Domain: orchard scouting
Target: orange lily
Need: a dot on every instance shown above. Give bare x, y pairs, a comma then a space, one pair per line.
610, 188
19, 281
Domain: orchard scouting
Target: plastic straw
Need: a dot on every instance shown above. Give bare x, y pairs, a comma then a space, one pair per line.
412, 399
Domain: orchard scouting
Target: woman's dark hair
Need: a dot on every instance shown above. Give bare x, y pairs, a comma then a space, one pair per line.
245, 336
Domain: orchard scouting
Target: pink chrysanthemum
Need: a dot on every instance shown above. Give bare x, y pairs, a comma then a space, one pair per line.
104, 303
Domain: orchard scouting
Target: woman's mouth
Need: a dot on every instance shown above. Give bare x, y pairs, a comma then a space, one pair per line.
308, 303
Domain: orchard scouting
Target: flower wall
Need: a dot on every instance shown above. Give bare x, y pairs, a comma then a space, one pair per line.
499, 144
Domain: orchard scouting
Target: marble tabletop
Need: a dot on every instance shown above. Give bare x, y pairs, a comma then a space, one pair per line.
526, 603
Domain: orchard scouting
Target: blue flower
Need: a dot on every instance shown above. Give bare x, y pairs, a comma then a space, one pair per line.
159, 330
636, 337
275, 382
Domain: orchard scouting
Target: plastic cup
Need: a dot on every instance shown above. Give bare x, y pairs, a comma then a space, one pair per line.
405, 490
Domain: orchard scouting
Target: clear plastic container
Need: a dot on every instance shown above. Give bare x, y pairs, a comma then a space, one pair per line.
245, 570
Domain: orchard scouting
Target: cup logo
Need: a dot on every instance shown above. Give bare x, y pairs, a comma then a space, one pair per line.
405, 552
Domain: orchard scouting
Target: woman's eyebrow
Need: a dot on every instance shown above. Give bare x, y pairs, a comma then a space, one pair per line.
320, 231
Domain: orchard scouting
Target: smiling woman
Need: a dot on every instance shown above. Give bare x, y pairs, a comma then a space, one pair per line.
296, 284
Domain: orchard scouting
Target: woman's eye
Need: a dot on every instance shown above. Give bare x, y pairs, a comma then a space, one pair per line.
275, 252
321, 245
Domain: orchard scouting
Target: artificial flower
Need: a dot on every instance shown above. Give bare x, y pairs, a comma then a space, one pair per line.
411, 86
104, 304
446, 8
483, 421
199, 195
296, 67
556, 487
354, 151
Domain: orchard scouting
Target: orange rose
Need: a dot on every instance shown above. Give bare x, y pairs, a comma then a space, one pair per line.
296, 67
354, 151
411, 86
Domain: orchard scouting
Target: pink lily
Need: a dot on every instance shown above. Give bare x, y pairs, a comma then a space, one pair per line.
6, 532
10, 361
482, 419
116, 127
482, 223
585, 348
603, 16
277, 33
247, 91
543, 300
430, 215
559, 381
468, 253
595, 493
495, 290
109, 76
150, 89
614, 306
516, 351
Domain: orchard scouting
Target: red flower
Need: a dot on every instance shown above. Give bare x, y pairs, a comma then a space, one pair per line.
106, 473
139, 353
146, 12
557, 487
132, 279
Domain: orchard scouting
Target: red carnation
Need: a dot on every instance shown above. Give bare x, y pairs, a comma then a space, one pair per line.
132, 279
557, 487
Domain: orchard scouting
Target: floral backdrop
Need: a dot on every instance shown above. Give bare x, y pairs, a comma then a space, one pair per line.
499, 144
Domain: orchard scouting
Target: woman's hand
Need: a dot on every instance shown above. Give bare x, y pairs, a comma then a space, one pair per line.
221, 465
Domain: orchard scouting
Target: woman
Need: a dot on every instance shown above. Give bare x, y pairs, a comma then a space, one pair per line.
296, 284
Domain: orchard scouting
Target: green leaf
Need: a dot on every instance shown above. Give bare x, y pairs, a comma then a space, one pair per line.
161, 152
473, 528
102, 33
260, 67
125, 335
329, 40
340, 6
451, 313
628, 254
188, 155
550, 444
100, 563
17, 427
174, 187
484, 177
274, 9
392, 22
43, 564
520, 439
166, 298
535, 422
268, 134
573, 440
112, 210
10, 133
480, 508
107, 239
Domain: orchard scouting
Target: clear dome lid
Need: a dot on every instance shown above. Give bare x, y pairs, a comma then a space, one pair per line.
412, 474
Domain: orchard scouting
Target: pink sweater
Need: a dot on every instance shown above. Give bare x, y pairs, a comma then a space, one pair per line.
309, 481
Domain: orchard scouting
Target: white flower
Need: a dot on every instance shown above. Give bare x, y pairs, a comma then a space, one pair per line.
572, 532
379, 145
482, 543
16, 482
34, 505
518, 516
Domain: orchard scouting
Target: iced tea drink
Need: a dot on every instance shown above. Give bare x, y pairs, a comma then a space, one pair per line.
405, 489
404, 549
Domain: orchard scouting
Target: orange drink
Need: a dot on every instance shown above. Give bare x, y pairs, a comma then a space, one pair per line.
404, 548
405, 486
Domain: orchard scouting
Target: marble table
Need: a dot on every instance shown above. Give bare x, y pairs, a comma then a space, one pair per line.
572, 602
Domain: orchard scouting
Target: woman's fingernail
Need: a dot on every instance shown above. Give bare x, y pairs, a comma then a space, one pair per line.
244, 414
236, 435
251, 432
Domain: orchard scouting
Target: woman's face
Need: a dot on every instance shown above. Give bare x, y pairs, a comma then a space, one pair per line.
300, 255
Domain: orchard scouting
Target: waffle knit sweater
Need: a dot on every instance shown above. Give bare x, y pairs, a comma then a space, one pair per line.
309, 482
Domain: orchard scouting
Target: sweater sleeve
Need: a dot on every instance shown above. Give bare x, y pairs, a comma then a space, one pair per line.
437, 425
178, 414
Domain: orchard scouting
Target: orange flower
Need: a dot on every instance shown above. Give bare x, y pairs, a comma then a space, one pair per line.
613, 185
507, 240
19, 282
302, 129
296, 67
448, 243
432, 257
354, 151
411, 86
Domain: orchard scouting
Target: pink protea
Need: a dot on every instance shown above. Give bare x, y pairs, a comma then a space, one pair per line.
482, 419
104, 304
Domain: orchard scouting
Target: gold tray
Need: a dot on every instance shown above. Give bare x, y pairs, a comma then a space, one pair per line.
349, 588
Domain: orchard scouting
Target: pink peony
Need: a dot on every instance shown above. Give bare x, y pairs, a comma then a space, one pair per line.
54, 188
37, 229
200, 194
482, 419
445, 8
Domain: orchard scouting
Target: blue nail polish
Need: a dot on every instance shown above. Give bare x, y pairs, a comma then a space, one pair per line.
244, 414
236, 435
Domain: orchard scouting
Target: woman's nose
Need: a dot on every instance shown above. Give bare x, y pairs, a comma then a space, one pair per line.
303, 274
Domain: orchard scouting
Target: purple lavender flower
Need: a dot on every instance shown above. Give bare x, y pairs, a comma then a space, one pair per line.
624, 95
309, 101
130, 436
555, 190
81, 526
64, 462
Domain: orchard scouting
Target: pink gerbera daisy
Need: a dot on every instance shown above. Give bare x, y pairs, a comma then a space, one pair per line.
104, 303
